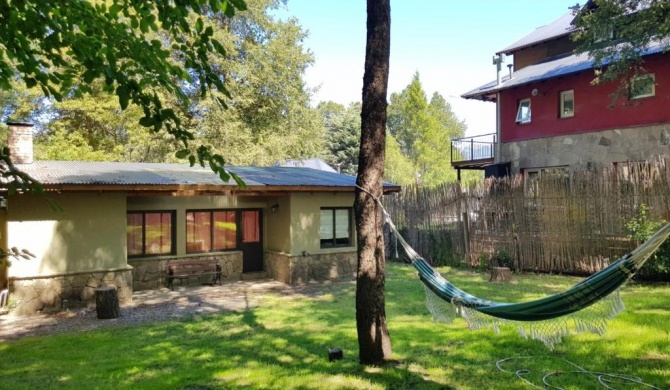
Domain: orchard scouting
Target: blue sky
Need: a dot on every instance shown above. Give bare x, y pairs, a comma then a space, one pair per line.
449, 42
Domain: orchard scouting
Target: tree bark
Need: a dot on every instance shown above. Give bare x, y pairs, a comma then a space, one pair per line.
374, 340
107, 302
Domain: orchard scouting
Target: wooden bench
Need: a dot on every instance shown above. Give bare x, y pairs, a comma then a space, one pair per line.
183, 269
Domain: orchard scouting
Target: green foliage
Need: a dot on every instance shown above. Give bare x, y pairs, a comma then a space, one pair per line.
269, 119
15, 253
343, 135
137, 50
398, 168
617, 32
502, 259
441, 248
640, 228
424, 131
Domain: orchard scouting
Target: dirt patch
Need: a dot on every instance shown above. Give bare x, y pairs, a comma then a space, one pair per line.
162, 304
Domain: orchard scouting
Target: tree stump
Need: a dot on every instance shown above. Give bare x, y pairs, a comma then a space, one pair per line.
500, 274
107, 302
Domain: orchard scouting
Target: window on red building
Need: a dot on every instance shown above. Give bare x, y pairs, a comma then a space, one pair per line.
567, 108
643, 86
523, 111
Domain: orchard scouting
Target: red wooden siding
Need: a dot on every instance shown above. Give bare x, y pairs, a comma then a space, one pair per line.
592, 105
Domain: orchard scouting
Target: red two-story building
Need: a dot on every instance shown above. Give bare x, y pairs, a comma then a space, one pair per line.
550, 117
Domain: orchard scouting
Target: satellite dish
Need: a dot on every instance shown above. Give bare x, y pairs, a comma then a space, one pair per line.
534, 92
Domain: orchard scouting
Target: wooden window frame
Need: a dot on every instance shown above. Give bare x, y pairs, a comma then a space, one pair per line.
211, 230
173, 231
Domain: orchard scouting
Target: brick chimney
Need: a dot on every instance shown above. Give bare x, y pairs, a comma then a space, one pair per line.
20, 142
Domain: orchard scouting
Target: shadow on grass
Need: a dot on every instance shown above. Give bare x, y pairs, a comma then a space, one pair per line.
283, 342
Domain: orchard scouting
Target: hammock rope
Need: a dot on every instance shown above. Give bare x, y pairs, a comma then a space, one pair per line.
586, 306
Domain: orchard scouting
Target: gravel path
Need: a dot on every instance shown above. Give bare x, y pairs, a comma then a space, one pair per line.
156, 305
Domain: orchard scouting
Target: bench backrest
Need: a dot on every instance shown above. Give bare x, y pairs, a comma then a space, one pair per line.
187, 267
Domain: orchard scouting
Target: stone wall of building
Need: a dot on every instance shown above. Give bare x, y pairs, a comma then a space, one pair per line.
30, 295
297, 269
151, 273
589, 149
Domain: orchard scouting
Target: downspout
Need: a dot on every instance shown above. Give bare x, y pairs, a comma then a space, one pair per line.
498, 148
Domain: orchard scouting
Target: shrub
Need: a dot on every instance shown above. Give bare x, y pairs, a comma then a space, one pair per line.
502, 259
640, 228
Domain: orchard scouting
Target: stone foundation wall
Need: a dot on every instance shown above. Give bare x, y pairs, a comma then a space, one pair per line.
297, 269
583, 150
29, 295
151, 273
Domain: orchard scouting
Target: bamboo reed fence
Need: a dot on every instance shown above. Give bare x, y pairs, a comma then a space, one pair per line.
563, 222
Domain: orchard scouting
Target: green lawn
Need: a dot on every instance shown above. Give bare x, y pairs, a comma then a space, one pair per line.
282, 344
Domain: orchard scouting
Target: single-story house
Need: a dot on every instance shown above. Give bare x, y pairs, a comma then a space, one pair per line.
122, 223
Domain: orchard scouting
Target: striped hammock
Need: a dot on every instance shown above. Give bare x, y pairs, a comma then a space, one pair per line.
584, 307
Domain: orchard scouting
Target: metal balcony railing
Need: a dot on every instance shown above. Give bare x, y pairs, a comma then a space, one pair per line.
471, 149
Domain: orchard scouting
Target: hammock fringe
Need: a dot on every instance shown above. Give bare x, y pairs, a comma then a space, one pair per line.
550, 332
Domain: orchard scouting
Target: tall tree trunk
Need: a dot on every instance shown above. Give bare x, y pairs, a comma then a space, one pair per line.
374, 342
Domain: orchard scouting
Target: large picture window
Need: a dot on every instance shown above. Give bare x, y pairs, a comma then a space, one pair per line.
150, 233
335, 229
210, 231
523, 111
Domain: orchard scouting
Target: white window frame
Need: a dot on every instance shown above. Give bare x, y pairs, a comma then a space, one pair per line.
645, 94
519, 112
564, 94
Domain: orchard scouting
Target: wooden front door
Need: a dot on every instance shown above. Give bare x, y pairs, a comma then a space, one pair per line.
251, 241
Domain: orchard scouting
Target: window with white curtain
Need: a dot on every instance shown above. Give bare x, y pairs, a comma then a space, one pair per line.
335, 227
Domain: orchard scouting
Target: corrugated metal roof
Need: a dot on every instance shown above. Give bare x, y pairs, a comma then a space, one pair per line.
559, 67
150, 174
314, 163
558, 28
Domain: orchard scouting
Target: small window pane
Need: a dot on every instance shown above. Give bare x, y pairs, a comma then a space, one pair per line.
567, 104
198, 232
326, 228
251, 230
523, 113
643, 86
158, 233
134, 234
341, 224
225, 230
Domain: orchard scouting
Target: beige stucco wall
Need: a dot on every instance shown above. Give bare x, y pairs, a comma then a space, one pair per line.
579, 150
89, 233
306, 219
278, 233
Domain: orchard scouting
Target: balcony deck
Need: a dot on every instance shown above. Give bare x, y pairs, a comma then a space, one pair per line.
473, 152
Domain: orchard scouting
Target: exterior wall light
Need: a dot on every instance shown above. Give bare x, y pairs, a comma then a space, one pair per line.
274, 209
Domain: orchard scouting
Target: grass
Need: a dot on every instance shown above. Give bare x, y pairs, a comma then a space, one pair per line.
282, 344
